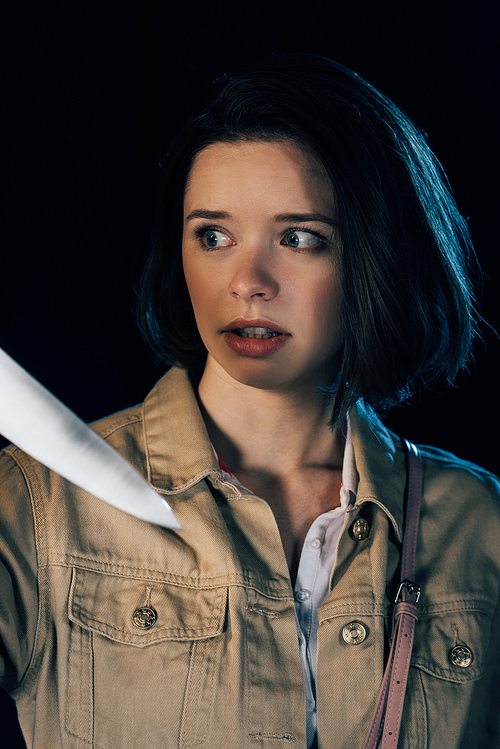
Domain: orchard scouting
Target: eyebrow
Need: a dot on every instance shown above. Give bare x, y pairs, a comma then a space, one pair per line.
303, 217
211, 215
280, 217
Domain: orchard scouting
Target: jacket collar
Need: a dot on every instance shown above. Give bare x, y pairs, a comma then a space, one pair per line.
178, 449
179, 453
380, 463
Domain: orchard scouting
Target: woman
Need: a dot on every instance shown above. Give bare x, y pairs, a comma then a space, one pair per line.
308, 268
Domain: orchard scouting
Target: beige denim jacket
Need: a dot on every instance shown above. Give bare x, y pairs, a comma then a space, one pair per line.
117, 634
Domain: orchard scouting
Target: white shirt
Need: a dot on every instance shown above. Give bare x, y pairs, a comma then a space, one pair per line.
317, 561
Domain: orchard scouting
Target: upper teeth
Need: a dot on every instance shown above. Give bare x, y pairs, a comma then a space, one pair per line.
256, 332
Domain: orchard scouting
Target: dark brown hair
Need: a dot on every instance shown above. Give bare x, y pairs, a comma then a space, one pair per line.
408, 304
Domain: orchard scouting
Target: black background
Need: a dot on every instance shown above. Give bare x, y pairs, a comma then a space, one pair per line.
91, 93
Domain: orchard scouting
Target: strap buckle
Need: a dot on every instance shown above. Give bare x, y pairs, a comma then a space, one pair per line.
412, 588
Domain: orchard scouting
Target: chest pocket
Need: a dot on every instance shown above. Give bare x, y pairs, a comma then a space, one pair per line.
144, 657
449, 657
452, 645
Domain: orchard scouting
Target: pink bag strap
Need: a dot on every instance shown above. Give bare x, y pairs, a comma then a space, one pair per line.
389, 708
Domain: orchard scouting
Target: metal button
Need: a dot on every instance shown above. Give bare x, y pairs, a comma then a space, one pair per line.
303, 595
145, 617
461, 656
354, 633
360, 529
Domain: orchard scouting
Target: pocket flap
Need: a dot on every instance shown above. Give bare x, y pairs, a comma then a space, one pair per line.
114, 606
452, 645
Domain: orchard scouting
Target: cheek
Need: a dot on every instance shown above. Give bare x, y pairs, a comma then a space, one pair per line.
336, 299
327, 308
326, 299
195, 281
208, 290
201, 292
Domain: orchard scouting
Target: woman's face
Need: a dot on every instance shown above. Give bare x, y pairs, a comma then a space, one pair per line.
262, 260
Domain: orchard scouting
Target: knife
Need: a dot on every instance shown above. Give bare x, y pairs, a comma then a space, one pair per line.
41, 425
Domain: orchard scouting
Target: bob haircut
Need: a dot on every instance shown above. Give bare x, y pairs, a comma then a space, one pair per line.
408, 308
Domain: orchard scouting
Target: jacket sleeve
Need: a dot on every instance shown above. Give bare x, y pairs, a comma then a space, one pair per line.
18, 574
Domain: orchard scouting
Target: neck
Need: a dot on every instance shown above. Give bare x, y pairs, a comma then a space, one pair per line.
254, 429
279, 444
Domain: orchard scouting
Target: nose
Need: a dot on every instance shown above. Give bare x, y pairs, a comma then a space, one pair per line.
253, 277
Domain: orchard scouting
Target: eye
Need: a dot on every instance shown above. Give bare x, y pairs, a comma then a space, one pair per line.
215, 238
300, 239
212, 239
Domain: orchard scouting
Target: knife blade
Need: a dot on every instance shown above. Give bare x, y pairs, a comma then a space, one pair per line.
41, 425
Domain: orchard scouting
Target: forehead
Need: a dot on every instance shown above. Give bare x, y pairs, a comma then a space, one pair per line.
258, 172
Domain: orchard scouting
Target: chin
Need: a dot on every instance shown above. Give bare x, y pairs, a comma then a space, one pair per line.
272, 377
260, 375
